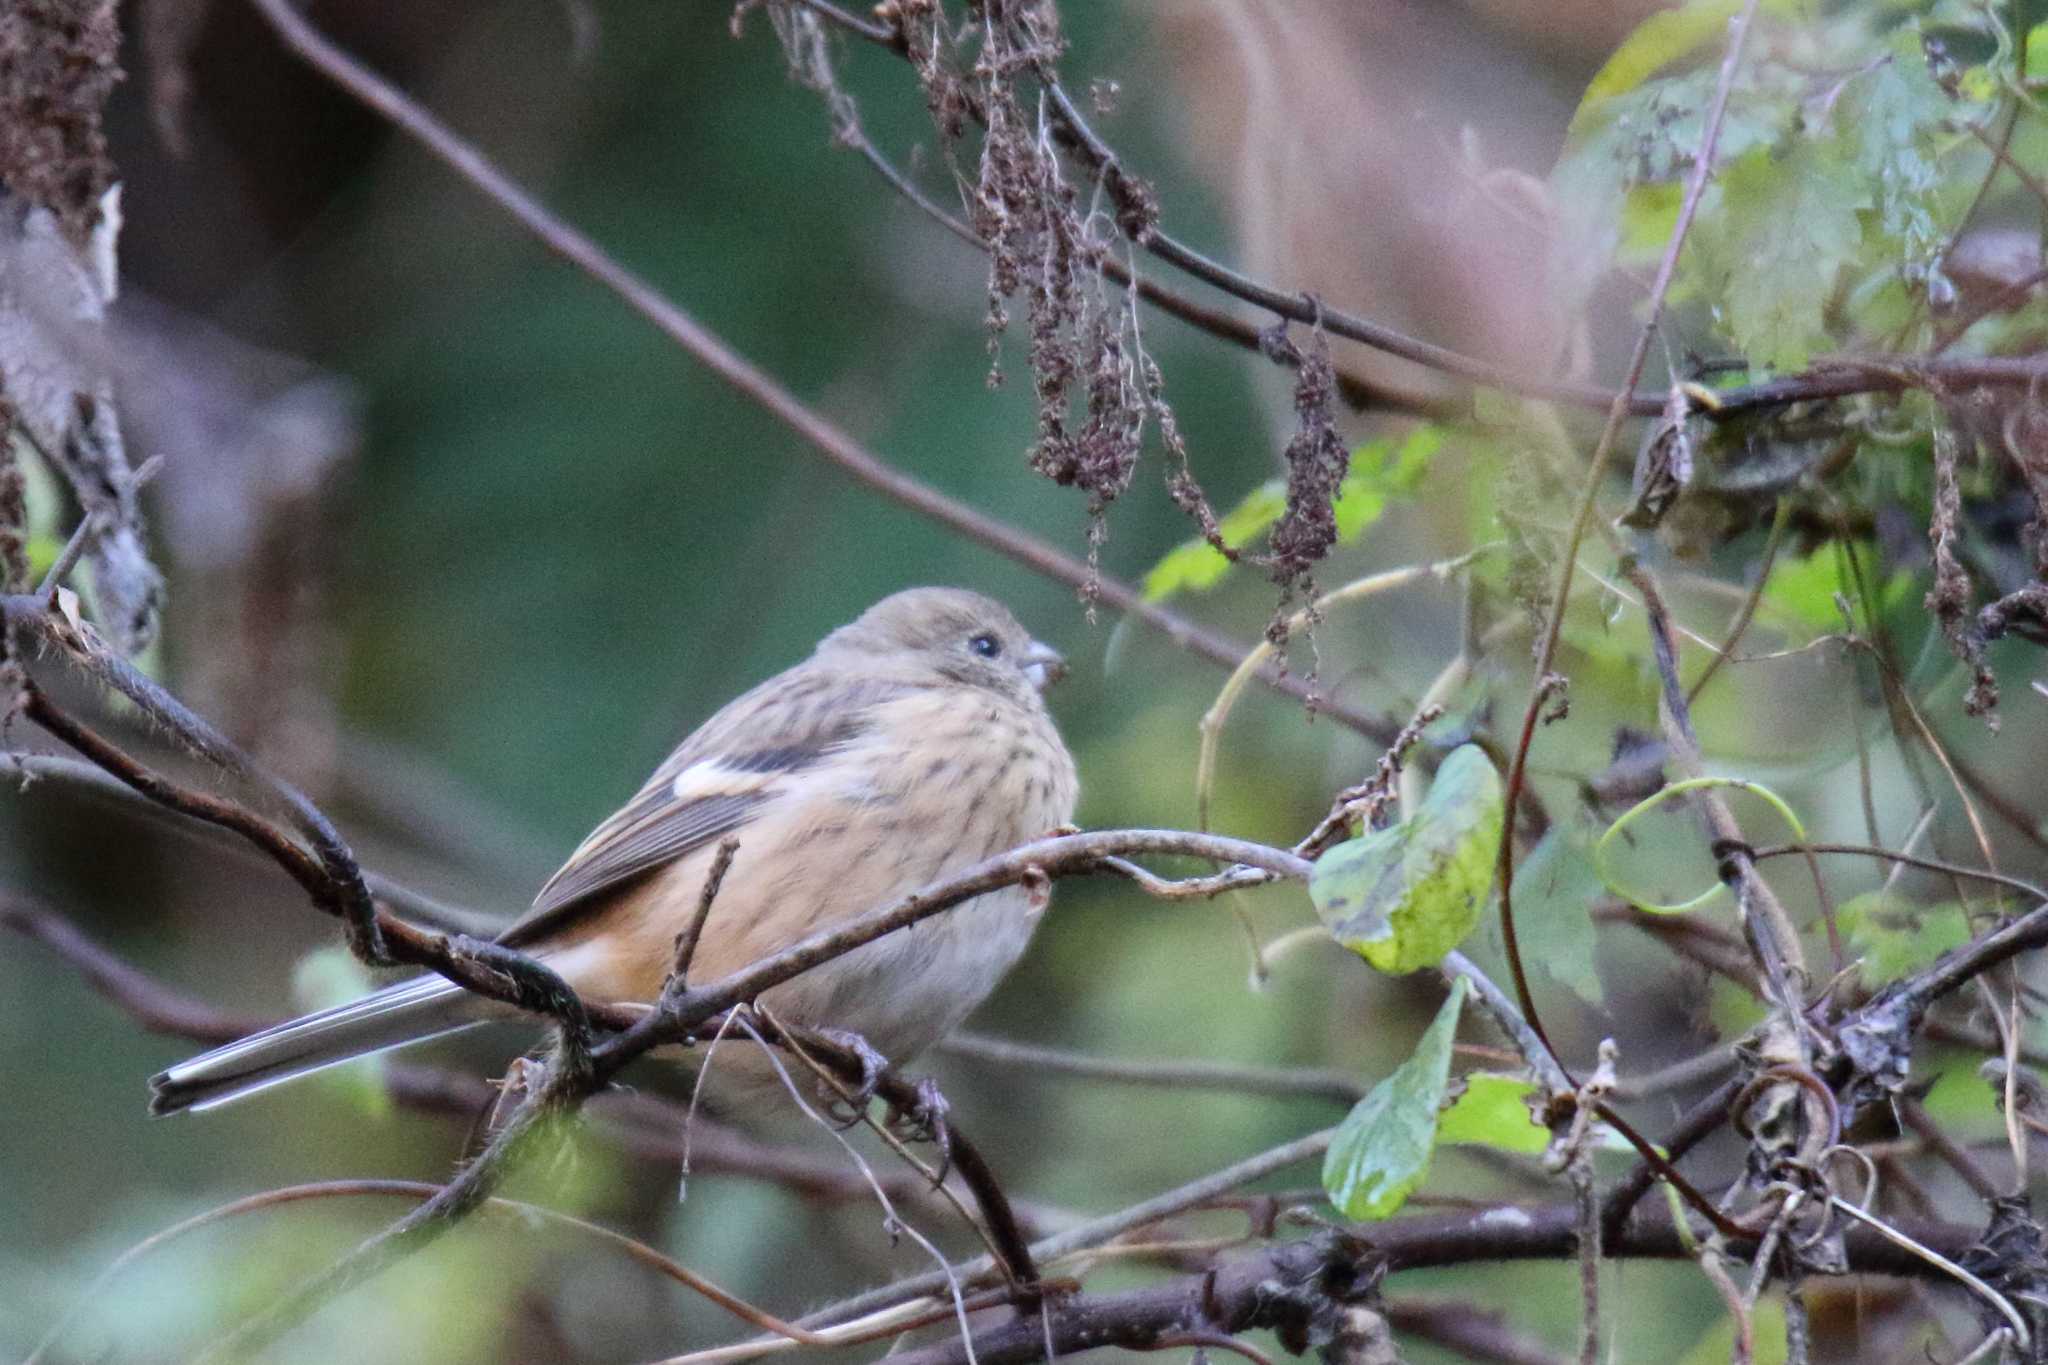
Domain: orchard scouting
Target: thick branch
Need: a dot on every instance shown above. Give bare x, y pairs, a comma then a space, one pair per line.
1283, 1286
395, 896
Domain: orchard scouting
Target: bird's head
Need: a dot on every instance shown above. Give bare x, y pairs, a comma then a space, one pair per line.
952, 634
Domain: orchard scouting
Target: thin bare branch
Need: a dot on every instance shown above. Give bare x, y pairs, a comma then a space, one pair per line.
1161, 1073
1589, 495
751, 382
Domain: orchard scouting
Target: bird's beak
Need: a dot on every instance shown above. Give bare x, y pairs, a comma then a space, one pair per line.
1044, 665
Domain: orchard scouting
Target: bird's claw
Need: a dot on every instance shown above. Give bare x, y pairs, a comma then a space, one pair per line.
926, 1122
872, 1066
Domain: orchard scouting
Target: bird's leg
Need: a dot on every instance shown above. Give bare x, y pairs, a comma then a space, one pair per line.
925, 1121
872, 1065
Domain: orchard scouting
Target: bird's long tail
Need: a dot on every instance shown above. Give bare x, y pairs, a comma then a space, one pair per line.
409, 1012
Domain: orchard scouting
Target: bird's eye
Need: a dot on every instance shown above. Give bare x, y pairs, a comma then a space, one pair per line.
987, 646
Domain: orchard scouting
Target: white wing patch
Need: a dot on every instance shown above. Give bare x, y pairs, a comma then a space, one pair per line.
709, 777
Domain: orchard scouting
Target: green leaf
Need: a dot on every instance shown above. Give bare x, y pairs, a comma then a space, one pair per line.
1802, 590
1403, 896
1771, 242
1555, 889
1965, 1100
1887, 125
1399, 470
1254, 515
1857, 186
1819, 187
1382, 1148
1381, 471
1648, 215
1894, 939
1663, 40
1188, 567
1644, 141
1803, 587
1493, 1111
1195, 564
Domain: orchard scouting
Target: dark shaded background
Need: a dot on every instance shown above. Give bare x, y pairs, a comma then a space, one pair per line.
558, 544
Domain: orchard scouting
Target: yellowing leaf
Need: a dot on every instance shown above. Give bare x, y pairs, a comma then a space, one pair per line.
1662, 40
1493, 1111
1403, 896
1657, 42
1382, 1148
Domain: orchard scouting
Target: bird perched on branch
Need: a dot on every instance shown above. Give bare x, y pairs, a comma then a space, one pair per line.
911, 745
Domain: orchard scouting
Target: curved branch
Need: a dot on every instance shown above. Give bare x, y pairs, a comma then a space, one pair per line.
398, 897
751, 382
330, 873
1832, 377
419, 1190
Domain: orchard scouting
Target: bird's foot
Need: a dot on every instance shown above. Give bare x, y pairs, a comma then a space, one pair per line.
873, 1064
925, 1121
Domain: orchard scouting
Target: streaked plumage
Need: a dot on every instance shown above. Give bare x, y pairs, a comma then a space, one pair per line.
912, 744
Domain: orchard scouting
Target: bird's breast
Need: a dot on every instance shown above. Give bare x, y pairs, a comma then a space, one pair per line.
930, 788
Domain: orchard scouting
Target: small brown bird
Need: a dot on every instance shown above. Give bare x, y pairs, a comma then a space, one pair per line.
911, 745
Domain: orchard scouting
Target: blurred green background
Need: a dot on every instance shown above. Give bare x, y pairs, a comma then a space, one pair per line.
558, 544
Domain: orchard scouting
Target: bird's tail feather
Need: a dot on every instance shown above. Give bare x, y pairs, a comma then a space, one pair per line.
409, 1012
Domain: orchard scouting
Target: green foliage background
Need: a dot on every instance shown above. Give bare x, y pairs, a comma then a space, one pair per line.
563, 544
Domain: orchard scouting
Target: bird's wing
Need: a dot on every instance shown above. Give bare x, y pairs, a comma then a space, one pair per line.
714, 784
